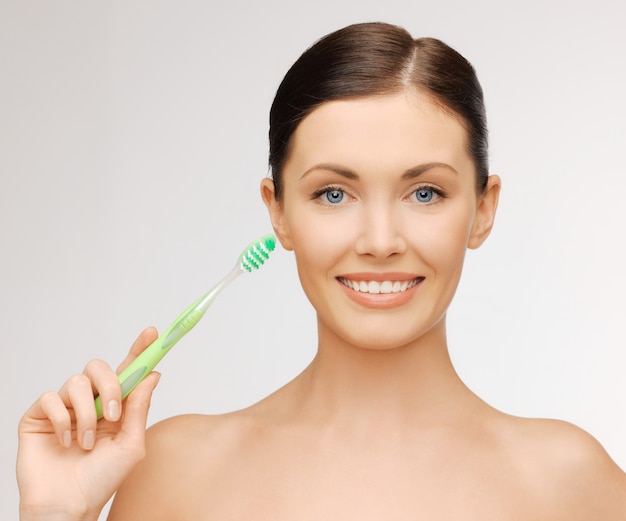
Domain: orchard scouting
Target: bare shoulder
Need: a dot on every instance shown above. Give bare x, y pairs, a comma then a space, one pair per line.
180, 453
192, 432
568, 468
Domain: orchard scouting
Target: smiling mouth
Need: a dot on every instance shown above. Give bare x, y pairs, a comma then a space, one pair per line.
375, 287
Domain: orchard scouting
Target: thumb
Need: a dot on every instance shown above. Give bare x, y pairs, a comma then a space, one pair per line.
145, 338
136, 410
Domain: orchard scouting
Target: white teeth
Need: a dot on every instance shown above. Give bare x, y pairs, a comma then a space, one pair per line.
375, 287
386, 287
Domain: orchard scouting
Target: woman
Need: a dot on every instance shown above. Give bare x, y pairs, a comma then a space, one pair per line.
378, 149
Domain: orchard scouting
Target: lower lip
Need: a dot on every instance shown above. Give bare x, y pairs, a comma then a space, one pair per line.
380, 300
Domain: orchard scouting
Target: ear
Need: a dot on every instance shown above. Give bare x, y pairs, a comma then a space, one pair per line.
485, 213
276, 211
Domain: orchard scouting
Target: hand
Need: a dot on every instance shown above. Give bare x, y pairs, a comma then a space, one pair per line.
68, 463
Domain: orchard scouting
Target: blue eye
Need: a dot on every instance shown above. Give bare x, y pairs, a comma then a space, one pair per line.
424, 195
334, 196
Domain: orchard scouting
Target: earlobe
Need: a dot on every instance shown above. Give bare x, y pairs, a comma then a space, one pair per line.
276, 212
485, 213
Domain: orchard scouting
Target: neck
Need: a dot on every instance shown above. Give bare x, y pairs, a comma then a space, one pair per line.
414, 382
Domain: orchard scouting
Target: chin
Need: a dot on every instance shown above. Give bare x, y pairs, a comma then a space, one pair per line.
375, 338
384, 330
383, 344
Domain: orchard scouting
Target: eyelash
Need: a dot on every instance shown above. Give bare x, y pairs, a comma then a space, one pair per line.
334, 188
440, 193
326, 189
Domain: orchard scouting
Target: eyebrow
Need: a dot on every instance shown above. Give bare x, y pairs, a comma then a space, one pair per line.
344, 172
411, 173
416, 171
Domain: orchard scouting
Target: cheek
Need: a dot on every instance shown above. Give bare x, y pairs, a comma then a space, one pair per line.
321, 234
318, 241
443, 240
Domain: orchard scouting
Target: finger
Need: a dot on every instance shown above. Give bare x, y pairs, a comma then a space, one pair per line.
145, 338
105, 384
49, 407
136, 413
77, 394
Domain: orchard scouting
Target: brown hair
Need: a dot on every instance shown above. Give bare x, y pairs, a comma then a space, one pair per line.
376, 59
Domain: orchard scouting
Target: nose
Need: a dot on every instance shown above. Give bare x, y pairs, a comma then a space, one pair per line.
380, 233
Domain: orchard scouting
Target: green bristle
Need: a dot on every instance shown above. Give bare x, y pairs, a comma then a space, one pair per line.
257, 253
270, 242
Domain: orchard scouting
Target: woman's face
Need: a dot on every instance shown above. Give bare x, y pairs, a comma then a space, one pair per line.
379, 206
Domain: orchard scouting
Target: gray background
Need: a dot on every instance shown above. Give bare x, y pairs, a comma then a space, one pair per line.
132, 143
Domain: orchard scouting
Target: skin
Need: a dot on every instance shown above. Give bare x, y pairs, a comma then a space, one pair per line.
379, 426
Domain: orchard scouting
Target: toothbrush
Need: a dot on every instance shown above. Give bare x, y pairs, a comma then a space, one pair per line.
251, 259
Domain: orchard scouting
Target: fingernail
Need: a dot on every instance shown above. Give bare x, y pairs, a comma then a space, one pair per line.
89, 439
113, 410
67, 439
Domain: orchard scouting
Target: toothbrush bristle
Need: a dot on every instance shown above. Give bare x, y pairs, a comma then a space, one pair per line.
257, 253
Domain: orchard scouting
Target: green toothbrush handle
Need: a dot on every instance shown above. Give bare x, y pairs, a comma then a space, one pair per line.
141, 367
251, 259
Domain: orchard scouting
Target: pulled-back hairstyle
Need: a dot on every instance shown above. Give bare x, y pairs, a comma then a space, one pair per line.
376, 59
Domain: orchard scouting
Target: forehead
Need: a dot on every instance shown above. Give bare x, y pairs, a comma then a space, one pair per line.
380, 132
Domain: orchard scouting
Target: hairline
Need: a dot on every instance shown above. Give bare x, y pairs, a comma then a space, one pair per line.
404, 86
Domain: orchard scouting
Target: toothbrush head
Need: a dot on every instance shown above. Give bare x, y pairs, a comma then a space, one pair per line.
255, 255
